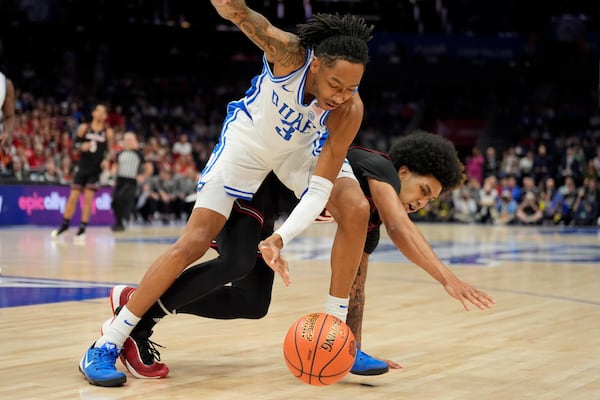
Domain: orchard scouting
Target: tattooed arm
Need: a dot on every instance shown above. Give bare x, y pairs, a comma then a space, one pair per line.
281, 48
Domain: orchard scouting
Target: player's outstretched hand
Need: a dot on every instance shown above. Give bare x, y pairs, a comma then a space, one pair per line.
271, 253
466, 294
392, 364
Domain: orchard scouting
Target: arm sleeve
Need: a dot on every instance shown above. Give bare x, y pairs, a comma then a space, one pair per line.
309, 207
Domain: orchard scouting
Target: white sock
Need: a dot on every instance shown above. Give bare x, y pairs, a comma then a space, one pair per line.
337, 307
119, 329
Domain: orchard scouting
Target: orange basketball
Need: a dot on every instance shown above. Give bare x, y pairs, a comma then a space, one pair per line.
319, 349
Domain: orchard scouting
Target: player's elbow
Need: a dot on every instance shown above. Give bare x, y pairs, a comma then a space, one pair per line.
397, 231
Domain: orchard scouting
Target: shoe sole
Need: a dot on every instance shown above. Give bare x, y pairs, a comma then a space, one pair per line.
133, 372
371, 372
108, 383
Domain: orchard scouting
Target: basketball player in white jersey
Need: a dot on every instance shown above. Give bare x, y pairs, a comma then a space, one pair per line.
7, 108
297, 119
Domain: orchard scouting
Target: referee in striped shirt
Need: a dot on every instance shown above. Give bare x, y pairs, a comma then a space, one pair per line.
129, 169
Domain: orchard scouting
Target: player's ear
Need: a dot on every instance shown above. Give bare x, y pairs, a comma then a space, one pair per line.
403, 171
315, 64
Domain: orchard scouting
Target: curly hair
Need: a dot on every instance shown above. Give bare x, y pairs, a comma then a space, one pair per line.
333, 37
425, 154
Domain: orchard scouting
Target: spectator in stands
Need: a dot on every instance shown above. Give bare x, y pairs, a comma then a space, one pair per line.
526, 164
488, 197
18, 171
153, 152
569, 166
182, 163
49, 174
506, 209
596, 162
161, 196
590, 170
7, 108
528, 185
490, 164
115, 119
182, 146
509, 165
551, 202
473, 186
569, 195
465, 207
509, 182
442, 208
185, 192
585, 207
529, 212
474, 165
37, 160
66, 169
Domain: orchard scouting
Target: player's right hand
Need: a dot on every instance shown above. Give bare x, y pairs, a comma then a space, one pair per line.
272, 256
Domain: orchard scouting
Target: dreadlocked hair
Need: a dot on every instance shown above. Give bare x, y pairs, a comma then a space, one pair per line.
425, 154
333, 37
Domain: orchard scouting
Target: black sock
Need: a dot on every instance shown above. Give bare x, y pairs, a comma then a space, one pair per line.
64, 226
82, 227
143, 329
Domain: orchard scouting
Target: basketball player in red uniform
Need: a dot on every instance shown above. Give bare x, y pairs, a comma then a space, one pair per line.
93, 141
418, 168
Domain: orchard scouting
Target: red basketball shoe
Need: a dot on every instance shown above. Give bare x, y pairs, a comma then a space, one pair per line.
139, 355
119, 296
324, 217
141, 358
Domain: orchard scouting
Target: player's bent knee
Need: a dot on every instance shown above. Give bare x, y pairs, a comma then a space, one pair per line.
260, 309
354, 212
190, 247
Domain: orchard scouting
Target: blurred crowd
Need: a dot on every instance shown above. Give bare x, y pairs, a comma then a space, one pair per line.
543, 178
527, 185
40, 150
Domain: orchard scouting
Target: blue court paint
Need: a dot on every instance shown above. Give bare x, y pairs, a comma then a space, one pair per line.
472, 253
20, 291
159, 240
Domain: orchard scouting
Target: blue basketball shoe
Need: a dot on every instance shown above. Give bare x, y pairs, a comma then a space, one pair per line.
365, 364
98, 366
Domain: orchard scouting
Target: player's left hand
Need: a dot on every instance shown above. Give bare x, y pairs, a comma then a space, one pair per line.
392, 364
466, 294
271, 253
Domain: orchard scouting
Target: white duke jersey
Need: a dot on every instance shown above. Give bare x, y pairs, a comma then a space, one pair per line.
271, 128
281, 118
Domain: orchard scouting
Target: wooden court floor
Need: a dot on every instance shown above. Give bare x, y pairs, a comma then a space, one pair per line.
541, 341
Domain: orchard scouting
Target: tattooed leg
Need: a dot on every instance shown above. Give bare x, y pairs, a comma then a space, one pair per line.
357, 299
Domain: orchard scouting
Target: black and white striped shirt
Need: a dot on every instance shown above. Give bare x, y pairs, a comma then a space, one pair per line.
129, 163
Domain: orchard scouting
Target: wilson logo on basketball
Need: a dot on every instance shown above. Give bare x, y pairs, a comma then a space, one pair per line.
327, 345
